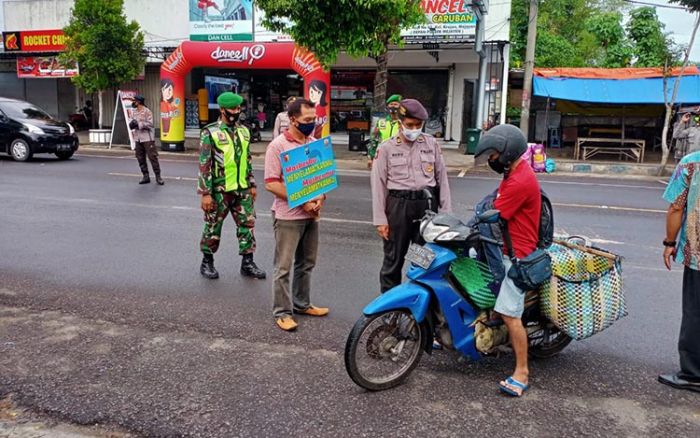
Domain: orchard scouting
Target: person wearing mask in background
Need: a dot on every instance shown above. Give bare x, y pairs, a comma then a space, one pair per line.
405, 165
226, 183
386, 128
282, 120
686, 132
296, 229
144, 136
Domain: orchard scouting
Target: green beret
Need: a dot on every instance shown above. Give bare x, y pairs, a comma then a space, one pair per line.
229, 100
413, 109
394, 98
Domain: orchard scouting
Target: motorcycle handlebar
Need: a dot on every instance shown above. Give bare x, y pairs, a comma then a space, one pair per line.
492, 241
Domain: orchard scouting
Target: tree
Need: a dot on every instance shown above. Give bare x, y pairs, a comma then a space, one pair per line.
107, 48
358, 27
651, 45
693, 6
612, 50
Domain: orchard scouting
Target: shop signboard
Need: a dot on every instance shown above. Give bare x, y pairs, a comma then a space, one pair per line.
264, 35
52, 40
309, 171
44, 67
446, 21
221, 20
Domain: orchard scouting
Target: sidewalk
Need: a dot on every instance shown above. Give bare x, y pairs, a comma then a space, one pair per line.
455, 159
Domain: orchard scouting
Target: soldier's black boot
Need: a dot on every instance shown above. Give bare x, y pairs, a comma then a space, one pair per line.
159, 180
207, 268
145, 180
250, 269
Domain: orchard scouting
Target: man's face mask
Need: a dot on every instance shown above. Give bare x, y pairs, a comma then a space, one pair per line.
134, 104
231, 117
306, 128
411, 134
497, 166
393, 110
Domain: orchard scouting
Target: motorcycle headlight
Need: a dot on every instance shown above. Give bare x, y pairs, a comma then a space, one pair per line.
71, 129
33, 129
430, 231
446, 237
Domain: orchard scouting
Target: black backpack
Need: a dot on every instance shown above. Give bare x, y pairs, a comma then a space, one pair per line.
546, 222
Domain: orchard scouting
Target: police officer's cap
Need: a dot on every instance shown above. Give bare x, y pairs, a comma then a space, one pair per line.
393, 98
229, 100
140, 98
412, 109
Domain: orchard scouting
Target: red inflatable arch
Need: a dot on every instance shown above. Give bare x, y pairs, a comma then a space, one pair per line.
243, 55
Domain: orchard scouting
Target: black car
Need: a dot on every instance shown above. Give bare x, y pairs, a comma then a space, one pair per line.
26, 130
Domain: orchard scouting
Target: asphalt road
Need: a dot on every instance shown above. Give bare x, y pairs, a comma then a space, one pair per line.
105, 319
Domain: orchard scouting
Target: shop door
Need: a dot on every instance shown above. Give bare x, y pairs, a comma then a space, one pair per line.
468, 108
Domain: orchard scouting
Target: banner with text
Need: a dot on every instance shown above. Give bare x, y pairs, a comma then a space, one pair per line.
446, 21
52, 40
309, 171
37, 67
221, 20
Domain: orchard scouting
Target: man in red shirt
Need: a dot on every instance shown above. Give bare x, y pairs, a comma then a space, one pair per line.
520, 203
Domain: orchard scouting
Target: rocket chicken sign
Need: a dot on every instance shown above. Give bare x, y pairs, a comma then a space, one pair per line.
34, 41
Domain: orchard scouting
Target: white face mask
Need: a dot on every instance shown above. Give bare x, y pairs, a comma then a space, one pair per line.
411, 134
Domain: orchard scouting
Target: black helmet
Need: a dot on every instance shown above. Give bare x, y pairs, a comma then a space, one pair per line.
507, 140
139, 98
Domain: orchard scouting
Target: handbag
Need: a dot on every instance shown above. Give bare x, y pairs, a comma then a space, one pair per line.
530, 272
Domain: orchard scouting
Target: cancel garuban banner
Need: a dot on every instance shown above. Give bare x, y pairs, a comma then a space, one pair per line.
309, 171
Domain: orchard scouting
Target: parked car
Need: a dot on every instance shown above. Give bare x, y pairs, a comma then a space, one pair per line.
26, 130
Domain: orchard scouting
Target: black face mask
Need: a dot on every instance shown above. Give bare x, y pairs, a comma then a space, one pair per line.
231, 118
306, 128
497, 166
393, 110
134, 105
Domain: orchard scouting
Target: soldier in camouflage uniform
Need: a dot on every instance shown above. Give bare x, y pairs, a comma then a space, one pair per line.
226, 183
385, 129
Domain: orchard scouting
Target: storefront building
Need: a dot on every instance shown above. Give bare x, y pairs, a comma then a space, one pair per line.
454, 64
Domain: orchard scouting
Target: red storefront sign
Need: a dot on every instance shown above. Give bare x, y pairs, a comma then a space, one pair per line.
53, 40
44, 67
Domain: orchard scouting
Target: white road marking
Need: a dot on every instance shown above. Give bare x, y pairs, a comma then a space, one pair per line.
575, 183
462, 173
610, 207
176, 178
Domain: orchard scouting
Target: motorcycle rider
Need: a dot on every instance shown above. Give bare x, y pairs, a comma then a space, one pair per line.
519, 202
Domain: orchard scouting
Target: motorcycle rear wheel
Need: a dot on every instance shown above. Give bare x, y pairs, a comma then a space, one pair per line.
547, 342
383, 349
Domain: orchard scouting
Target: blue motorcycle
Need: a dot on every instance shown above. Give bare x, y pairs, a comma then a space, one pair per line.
448, 298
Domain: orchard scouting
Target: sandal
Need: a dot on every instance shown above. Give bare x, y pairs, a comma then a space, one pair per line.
513, 388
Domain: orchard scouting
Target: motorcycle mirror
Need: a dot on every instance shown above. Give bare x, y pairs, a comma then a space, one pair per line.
429, 196
489, 216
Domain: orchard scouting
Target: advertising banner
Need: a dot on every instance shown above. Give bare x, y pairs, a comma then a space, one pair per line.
309, 171
221, 20
37, 67
446, 21
262, 34
122, 116
34, 41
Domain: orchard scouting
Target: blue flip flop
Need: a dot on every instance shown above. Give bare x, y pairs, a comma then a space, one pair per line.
512, 382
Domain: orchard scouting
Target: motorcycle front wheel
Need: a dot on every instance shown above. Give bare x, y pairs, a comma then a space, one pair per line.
383, 349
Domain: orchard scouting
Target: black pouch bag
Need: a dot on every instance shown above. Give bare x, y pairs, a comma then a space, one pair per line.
530, 272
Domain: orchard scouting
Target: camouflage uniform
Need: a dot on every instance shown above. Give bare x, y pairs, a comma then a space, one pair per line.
212, 181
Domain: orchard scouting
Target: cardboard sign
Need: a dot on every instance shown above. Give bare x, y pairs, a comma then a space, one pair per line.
309, 171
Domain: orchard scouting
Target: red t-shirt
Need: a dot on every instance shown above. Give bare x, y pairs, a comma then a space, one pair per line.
520, 204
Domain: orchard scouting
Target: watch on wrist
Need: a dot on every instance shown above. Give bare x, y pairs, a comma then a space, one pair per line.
669, 243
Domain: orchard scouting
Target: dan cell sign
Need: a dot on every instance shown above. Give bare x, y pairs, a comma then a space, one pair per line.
221, 20
445, 21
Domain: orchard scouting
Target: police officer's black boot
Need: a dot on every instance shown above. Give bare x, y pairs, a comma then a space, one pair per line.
159, 180
250, 269
207, 268
145, 180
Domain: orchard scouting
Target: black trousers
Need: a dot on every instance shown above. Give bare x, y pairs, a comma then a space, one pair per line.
689, 340
147, 148
403, 216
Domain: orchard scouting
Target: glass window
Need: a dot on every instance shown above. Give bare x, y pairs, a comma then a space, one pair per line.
23, 111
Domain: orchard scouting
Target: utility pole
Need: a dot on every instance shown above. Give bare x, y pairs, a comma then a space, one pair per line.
529, 67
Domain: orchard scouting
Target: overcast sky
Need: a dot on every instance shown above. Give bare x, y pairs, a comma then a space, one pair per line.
680, 23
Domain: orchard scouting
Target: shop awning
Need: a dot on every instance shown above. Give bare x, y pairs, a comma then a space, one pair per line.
647, 89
